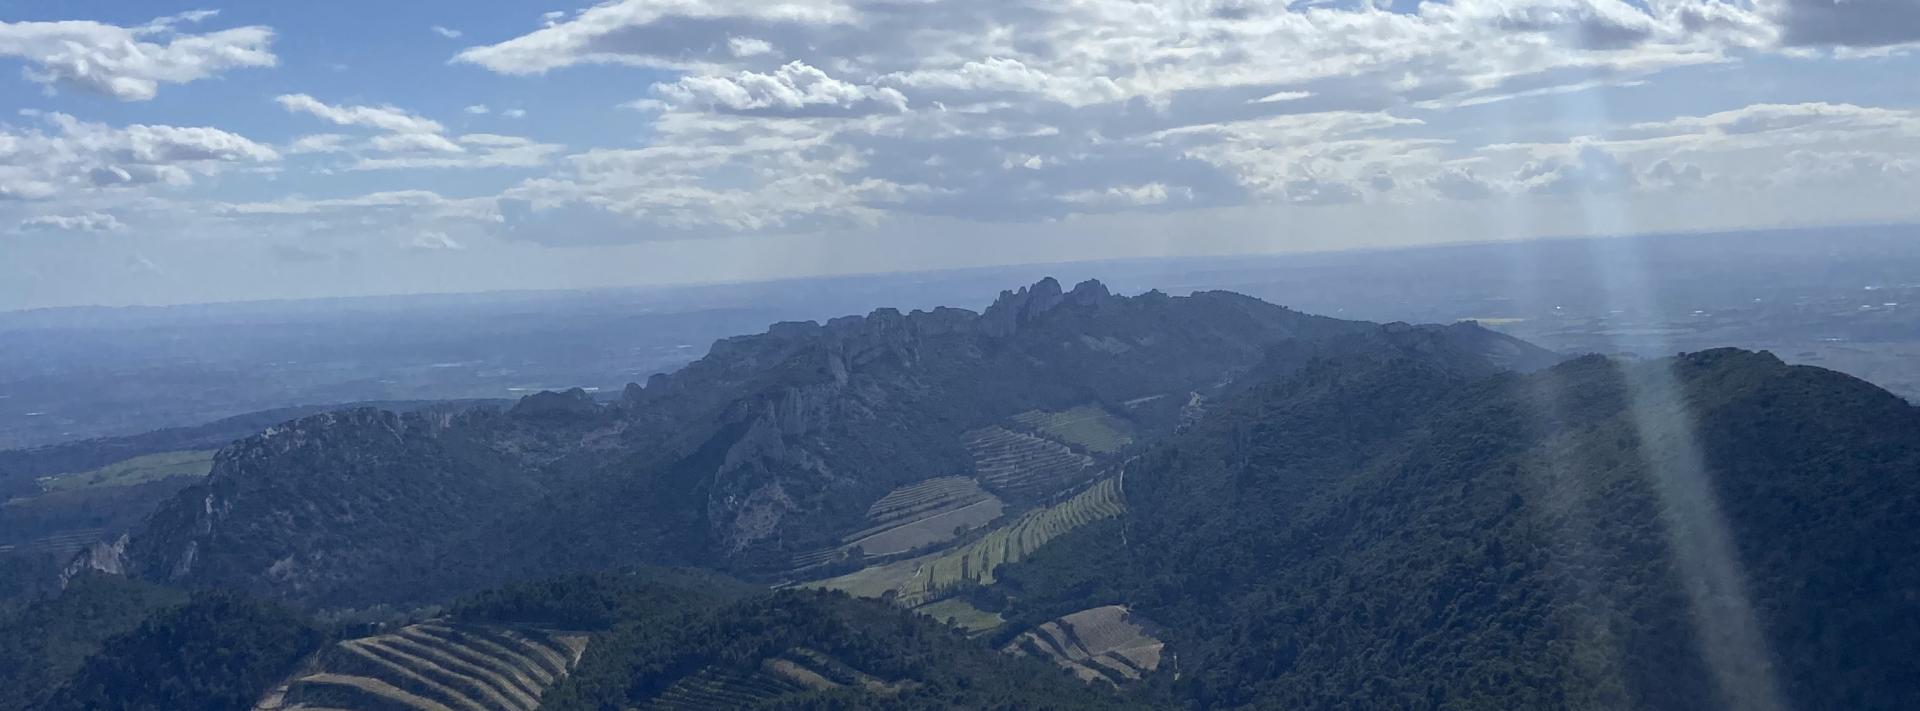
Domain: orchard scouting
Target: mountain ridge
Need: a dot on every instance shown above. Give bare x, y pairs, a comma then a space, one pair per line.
772, 444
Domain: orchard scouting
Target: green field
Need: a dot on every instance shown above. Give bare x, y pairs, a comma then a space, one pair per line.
916, 580
434, 666
957, 613
876, 581
1090, 427
151, 467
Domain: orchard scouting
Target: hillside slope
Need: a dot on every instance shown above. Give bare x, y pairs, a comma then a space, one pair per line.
1719, 530
773, 447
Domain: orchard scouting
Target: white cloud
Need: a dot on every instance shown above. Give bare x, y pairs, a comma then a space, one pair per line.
318, 143
479, 110
605, 34
791, 88
445, 32
435, 242
78, 155
1123, 196
1842, 167
748, 46
514, 113
1460, 183
415, 142
410, 199
1283, 96
386, 118
84, 222
489, 151
705, 174
412, 141
130, 63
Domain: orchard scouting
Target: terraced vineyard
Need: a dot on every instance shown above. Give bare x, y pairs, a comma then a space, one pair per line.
1090, 427
1101, 644
434, 667
60, 545
1024, 465
796, 670
912, 516
925, 513
976, 561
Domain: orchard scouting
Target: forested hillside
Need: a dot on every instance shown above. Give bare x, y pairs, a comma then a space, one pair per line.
1714, 531
1072, 500
755, 459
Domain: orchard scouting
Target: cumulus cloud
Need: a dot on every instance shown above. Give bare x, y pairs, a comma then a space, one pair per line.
1668, 174
1590, 170
84, 222
1124, 196
1460, 183
826, 112
793, 88
1812, 167
668, 33
74, 154
748, 46
130, 63
705, 174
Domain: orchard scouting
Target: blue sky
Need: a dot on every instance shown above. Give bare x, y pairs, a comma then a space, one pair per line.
163, 153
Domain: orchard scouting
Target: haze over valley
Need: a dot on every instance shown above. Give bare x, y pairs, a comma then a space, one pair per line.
860, 355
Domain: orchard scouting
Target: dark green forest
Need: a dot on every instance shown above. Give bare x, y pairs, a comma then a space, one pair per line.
217, 651
1380, 535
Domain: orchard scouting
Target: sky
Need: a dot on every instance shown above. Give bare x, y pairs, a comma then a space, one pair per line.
154, 152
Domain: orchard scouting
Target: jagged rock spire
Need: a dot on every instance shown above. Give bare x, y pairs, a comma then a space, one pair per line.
1017, 307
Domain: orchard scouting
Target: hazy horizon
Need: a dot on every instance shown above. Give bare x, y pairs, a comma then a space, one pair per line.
986, 266
171, 152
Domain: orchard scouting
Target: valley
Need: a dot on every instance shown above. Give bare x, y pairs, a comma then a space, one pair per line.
1071, 499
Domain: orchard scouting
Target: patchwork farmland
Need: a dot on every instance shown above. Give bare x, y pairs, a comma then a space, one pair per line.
1024, 465
975, 562
924, 514
1101, 644
1089, 427
921, 514
917, 581
434, 667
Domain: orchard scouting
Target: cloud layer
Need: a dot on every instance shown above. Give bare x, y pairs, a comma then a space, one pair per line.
705, 121
130, 63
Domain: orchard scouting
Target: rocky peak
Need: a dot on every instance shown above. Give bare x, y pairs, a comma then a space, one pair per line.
571, 403
1089, 293
1014, 308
